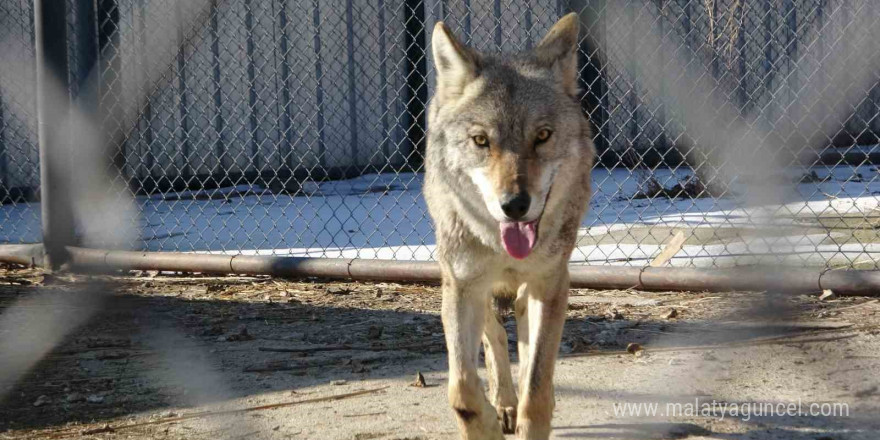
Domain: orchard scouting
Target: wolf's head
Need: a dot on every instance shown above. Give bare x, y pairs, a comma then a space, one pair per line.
509, 124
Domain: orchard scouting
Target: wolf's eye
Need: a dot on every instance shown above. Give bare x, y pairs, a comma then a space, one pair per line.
481, 140
543, 135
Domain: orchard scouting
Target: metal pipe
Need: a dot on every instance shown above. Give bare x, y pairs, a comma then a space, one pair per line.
797, 280
23, 254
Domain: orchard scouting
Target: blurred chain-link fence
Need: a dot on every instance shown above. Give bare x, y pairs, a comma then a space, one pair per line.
297, 127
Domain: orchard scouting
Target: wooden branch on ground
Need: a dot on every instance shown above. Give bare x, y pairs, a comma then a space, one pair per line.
345, 347
672, 247
776, 340
116, 428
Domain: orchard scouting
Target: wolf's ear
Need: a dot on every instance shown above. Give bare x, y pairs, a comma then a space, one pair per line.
558, 51
456, 64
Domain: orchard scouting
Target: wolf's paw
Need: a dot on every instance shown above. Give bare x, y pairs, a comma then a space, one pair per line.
529, 430
507, 417
479, 426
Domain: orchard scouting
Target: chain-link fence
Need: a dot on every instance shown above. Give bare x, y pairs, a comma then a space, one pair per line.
297, 127
19, 163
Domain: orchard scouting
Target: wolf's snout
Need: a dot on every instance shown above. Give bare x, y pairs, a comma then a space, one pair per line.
515, 206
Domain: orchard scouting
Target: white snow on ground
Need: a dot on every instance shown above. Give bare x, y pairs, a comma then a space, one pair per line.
384, 216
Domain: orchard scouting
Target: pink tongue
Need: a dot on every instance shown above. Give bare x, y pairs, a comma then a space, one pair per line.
519, 238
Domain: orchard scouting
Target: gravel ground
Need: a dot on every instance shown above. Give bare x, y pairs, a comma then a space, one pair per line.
190, 357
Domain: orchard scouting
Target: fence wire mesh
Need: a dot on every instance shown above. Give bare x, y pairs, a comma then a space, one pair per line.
297, 127
19, 162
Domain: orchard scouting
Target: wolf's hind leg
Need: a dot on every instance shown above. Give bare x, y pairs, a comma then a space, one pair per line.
521, 312
502, 393
464, 310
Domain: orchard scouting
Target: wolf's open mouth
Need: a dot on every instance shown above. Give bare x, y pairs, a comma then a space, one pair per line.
519, 238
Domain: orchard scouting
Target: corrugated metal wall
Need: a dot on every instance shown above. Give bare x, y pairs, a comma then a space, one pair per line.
282, 90
761, 54
266, 88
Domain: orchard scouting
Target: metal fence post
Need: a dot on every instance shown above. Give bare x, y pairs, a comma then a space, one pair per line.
53, 102
592, 68
416, 78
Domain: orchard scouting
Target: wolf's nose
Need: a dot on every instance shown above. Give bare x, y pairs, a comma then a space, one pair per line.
515, 206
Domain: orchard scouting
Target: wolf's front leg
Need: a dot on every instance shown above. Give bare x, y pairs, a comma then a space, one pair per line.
547, 303
465, 305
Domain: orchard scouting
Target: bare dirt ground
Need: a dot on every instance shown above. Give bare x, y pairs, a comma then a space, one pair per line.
190, 357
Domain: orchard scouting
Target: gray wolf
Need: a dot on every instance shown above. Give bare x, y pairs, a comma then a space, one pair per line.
507, 182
